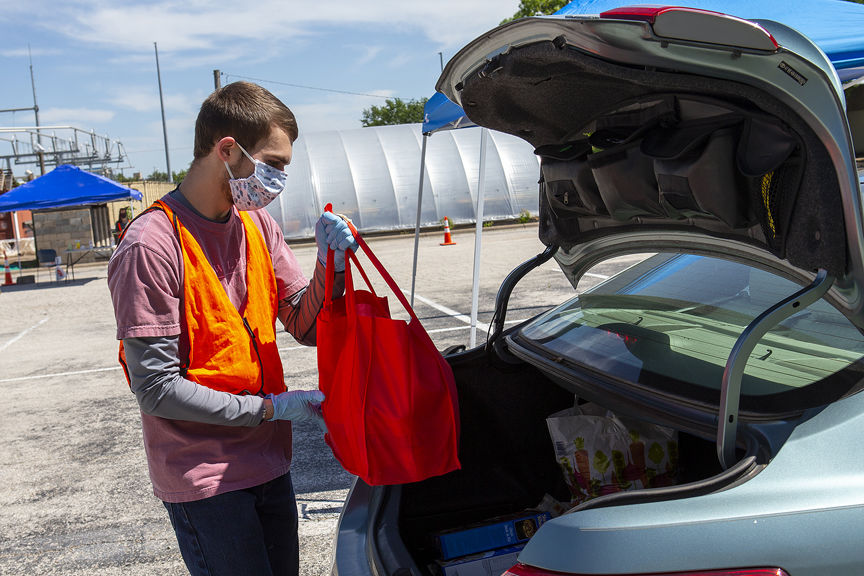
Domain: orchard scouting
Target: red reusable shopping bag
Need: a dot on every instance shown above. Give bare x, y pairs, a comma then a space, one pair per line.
391, 407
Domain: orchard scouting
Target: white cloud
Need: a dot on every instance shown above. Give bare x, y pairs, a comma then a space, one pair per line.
173, 59
366, 53
145, 98
136, 98
333, 113
399, 60
205, 26
78, 117
27, 52
183, 104
117, 36
173, 26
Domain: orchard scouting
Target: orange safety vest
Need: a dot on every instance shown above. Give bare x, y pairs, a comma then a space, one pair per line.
228, 350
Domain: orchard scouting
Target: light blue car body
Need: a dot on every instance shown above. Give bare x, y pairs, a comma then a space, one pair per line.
803, 512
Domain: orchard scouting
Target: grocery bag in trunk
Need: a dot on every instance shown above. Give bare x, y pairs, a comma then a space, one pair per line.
601, 453
391, 407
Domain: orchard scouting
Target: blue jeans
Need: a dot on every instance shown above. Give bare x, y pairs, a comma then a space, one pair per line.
247, 532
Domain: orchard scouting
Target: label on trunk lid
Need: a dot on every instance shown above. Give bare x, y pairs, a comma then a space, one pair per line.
794, 74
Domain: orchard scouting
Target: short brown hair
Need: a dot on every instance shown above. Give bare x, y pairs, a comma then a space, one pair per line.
245, 111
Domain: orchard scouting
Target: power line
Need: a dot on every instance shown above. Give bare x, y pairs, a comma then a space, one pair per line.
226, 75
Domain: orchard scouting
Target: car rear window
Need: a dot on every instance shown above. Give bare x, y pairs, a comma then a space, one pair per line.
671, 321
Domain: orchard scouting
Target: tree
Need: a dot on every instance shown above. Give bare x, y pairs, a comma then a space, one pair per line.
159, 176
537, 8
394, 111
120, 177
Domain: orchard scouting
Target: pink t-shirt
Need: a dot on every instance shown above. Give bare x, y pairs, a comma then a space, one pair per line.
189, 460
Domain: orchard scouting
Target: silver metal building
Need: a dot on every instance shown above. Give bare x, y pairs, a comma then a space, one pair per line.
372, 175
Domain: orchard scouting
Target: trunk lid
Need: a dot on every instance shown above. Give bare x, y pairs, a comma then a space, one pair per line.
677, 129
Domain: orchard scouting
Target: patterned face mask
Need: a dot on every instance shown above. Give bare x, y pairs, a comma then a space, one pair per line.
259, 188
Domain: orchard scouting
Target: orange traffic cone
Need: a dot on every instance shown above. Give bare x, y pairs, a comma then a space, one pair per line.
8, 281
448, 241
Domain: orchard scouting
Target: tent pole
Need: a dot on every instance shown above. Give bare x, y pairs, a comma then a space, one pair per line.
419, 212
478, 232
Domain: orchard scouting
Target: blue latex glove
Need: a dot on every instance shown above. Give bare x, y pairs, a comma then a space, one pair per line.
333, 232
297, 405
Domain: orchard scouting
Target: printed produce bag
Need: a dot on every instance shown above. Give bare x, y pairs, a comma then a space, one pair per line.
601, 453
391, 407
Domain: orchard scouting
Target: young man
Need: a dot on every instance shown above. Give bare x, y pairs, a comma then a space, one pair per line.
198, 282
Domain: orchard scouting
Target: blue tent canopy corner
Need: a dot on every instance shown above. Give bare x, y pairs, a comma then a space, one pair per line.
440, 113
65, 186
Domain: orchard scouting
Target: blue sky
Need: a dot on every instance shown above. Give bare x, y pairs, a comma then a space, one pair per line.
95, 67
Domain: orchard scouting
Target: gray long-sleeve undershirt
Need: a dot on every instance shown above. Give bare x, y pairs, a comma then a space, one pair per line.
154, 367
154, 371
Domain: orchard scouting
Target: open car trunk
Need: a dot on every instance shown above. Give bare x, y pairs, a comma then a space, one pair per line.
508, 460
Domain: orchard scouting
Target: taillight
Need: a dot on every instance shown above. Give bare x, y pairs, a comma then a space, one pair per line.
696, 25
525, 570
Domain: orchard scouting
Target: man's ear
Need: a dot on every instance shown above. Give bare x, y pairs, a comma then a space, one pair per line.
224, 147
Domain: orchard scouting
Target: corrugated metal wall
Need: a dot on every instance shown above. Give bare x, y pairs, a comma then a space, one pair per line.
372, 176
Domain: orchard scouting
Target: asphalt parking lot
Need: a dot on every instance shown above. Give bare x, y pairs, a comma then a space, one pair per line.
76, 498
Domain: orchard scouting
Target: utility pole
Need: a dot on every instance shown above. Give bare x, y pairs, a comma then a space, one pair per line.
217, 79
441, 58
39, 149
162, 105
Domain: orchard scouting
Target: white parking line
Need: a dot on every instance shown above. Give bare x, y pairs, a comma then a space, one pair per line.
22, 334
437, 330
60, 374
452, 313
292, 348
453, 329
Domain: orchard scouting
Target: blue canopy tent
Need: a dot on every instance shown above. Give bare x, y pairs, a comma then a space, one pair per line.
65, 186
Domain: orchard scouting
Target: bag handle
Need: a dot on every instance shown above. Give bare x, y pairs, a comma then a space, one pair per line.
384, 274
349, 256
330, 270
329, 278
